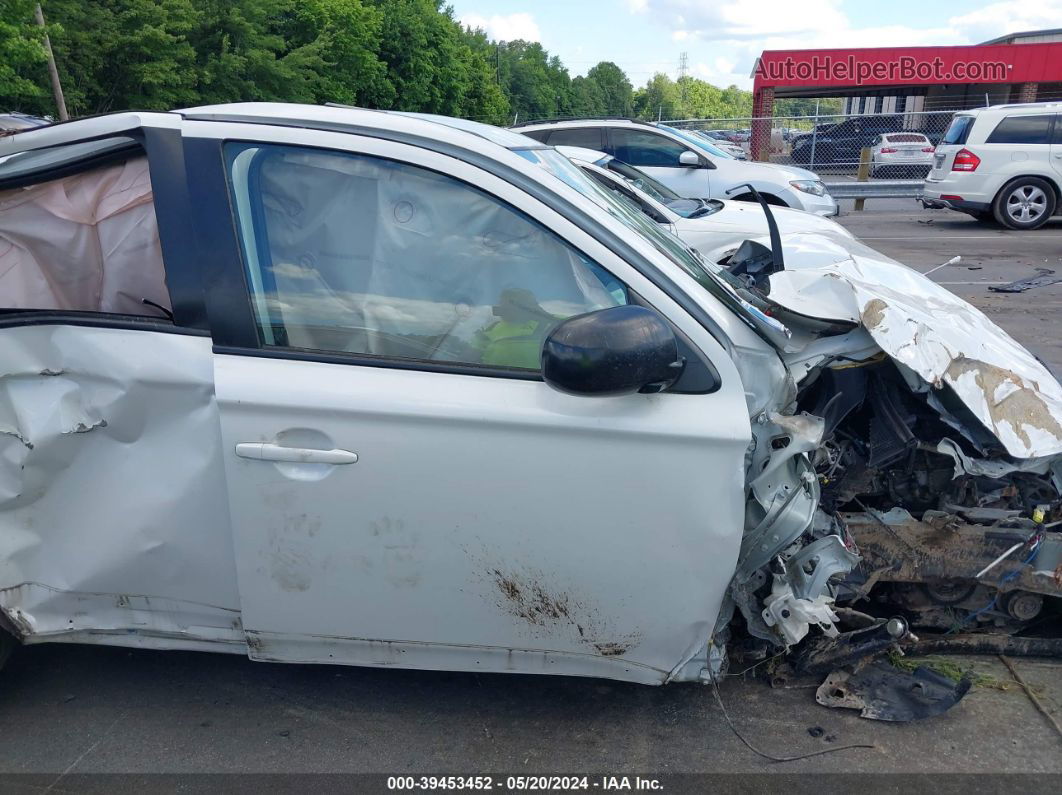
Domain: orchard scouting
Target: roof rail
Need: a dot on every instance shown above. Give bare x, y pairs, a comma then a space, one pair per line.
579, 118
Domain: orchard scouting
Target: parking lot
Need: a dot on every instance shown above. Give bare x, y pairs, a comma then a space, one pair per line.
68, 711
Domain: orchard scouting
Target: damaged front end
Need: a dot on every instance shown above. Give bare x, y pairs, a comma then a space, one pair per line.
915, 471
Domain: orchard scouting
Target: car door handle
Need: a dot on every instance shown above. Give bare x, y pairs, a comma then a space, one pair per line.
264, 451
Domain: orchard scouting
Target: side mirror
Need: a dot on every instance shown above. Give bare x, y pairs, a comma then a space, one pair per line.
615, 351
690, 159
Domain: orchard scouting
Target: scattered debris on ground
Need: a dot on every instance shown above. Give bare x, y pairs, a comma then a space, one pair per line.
1043, 278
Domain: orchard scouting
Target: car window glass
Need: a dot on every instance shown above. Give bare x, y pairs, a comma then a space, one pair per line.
662, 193
586, 137
364, 255
958, 130
538, 135
1022, 130
641, 148
700, 143
1058, 129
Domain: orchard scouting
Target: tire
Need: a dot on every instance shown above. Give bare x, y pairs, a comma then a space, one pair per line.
1024, 203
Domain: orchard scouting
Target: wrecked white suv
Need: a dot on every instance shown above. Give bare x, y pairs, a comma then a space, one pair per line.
327, 385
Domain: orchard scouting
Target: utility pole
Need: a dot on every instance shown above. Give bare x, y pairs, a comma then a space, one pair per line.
53, 73
683, 71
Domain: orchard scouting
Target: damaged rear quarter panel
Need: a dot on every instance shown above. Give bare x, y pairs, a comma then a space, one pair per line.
113, 507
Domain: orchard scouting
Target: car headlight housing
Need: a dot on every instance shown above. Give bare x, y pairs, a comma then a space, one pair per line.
812, 186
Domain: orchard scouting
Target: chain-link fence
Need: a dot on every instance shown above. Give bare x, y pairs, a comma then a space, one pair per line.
900, 144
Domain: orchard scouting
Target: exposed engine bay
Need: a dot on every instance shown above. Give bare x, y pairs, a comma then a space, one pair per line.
920, 450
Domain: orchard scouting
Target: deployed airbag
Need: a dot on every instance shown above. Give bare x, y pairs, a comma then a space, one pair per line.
86, 242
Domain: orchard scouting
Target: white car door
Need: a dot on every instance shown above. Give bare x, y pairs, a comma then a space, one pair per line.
405, 489
658, 156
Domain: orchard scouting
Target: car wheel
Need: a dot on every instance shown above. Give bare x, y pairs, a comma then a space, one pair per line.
1025, 203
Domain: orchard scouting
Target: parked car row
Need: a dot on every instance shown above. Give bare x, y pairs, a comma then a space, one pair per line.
332, 385
720, 139
688, 163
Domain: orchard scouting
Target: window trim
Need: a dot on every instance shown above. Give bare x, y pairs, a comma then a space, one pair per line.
17, 318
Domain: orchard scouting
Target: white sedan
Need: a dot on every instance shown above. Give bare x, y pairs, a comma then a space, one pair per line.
901, 154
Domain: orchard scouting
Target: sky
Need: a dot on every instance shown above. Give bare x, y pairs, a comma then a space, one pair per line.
723, 37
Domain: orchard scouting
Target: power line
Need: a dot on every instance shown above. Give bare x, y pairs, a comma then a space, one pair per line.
683, 71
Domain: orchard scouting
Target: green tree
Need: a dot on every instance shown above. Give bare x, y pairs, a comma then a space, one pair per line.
537, 84
435, 65
21, 57
660, 98
258, 50
615, 87
117, 54
588, 99
485, 100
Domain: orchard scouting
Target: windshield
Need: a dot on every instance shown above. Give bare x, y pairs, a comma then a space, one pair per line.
699, 142
687, 208
642, 181
712, 276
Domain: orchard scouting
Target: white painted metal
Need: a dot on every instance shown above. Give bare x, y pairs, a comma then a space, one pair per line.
113, 505
490, 523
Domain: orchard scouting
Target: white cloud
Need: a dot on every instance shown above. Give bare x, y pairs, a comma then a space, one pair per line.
637, 6
720, 72
742, 30
740, 20
998, 19
509, 27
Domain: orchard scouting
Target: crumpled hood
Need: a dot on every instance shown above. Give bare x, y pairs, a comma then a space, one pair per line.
938, 336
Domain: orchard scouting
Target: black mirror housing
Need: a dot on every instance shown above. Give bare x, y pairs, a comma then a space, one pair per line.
615, 351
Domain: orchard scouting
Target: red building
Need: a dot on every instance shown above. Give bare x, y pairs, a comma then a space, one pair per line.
1021, 67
